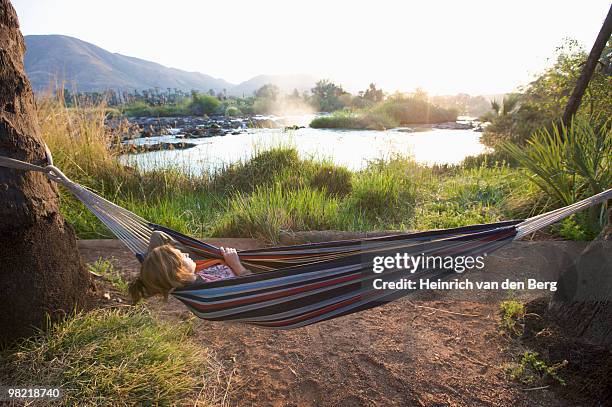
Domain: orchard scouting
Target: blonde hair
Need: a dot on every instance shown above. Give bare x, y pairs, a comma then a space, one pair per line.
162, 270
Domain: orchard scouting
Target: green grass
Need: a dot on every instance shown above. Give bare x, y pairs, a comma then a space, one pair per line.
117, 357
276, 190
270, 210
334, 180
262, 169
105, 268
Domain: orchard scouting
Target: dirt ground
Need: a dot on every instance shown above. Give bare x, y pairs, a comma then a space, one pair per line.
433, 349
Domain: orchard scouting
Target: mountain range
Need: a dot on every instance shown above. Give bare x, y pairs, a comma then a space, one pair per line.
59, 58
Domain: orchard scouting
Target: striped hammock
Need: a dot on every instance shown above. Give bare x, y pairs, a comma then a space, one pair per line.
294, 286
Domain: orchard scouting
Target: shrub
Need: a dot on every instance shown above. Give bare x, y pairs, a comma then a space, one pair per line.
532, 368
568, 164
233, 111
259, 170
345, 119
334, 180
203, 104
512, 314
413, 110
270, 210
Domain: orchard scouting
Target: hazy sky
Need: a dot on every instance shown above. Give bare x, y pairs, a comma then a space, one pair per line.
445, 47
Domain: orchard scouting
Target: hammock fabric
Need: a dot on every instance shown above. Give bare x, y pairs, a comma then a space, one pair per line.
294, 286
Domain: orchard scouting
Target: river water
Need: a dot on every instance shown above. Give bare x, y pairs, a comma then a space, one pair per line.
350, 148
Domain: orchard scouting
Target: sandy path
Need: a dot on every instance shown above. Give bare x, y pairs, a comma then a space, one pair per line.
400, 354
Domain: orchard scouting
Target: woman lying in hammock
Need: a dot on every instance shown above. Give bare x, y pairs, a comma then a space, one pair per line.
168, 266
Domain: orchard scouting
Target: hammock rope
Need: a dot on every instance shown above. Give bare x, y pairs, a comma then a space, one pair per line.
294, 286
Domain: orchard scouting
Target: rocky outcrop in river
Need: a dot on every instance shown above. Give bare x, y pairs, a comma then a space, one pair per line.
191, 127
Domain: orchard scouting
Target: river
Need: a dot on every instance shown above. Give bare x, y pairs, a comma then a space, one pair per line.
350, 148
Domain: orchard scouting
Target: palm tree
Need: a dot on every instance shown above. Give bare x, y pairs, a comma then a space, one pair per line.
509, 104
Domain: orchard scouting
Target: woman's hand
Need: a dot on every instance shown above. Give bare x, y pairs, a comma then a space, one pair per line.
233, 261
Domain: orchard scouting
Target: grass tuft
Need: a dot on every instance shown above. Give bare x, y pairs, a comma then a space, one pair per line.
260, 170
268, 211
334, 180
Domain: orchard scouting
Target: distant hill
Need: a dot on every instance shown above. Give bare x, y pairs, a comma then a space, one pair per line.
58, 57
51, 58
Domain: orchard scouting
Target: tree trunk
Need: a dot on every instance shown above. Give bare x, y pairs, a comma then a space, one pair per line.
582, 305
587, 70
41, 272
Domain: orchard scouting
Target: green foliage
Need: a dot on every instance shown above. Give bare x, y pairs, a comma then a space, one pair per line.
243, 104
512, 314
201, 105
542, 101
142, 109
233, 111
264, 106
568, 164
108, 356
414, 109
327, 96
334, 180
268, 211
532, 368
259, 170
576, 227
105, 268
396, 110
345, 119
467, 196
489, 159
509, 104
383, 194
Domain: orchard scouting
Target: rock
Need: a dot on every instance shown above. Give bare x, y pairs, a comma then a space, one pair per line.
262, 124
454, 126
294, 127
145, 148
